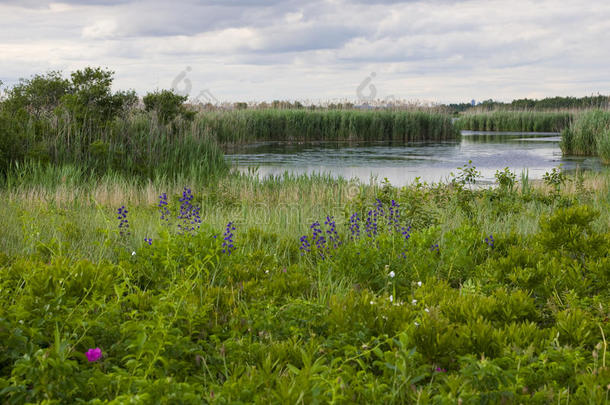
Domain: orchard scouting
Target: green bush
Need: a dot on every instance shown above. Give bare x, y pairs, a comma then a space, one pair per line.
167, 105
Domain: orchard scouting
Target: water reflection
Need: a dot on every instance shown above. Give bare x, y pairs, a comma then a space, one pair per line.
401, 163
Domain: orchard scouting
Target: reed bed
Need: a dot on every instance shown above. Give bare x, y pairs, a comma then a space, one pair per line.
137, 144
330, 125
589, 135
517, 121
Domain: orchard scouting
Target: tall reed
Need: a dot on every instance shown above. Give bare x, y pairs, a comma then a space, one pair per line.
519, 121
328, 125
137, 144
588, 135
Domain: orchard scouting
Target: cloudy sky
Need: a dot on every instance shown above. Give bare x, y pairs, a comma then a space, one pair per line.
320, 50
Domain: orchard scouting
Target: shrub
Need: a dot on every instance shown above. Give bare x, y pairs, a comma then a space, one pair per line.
167, 105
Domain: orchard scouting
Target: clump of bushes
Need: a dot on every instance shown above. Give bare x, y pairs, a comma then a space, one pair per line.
49, 119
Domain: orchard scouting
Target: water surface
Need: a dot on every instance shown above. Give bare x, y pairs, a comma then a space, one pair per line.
401, 163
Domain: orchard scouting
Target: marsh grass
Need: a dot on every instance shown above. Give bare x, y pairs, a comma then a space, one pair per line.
515, 121
136, 145
588, 135
242, 126
79, 211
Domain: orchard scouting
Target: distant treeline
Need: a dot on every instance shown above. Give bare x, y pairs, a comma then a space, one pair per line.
520, 121
549, 103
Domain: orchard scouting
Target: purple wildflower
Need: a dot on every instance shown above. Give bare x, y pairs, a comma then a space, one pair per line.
94, 354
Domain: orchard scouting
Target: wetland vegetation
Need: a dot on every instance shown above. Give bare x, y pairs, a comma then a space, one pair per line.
136, 266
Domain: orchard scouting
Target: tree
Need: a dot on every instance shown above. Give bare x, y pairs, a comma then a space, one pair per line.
90, 99
167, 105
38, 95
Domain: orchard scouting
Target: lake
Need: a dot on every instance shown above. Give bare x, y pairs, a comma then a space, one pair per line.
402, 163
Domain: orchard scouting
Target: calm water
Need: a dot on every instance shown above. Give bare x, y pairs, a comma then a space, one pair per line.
402, 163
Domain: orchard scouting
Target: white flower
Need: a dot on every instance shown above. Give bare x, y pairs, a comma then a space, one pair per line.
391, 298
133, 253
419, 283
266, 271
416, 324
372, 302
427, 310
392, 274
414, 302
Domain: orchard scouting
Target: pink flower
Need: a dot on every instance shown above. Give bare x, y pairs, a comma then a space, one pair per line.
94, 354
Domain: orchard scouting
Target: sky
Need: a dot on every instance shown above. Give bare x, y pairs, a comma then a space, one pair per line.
318, 51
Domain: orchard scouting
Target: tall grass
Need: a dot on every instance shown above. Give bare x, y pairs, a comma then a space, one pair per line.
136, 144
589, 135
515, 121
329, 125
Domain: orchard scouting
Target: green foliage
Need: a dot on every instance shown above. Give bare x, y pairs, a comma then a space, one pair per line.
571, 230
167, 105
506, 179
516, 121
466, 176
555, 179
588, 135
446, 317
38, 95
241, 126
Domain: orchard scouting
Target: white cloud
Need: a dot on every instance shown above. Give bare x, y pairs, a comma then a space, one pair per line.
322, 49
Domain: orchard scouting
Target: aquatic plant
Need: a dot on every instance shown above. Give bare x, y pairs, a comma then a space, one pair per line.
589, 135
515, 121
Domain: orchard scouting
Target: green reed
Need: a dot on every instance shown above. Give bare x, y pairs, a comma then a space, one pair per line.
519, 121
589, 135
137, 144
244, 126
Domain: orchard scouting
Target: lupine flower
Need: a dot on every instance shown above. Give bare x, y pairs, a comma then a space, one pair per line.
435, 248
490, 241
189, 214
163, 207
148, 240
354, 226
94, 354
315, 227
333, 236
394, 216
305, 246
124, 222
227, 244
371, 223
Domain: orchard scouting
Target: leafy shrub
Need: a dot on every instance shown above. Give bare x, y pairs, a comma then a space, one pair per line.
167, 105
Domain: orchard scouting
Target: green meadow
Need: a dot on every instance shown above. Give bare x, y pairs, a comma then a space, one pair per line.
137, 267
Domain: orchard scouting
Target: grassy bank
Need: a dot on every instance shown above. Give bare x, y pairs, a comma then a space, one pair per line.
588, 135
328, 125
318, 291
517, 121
